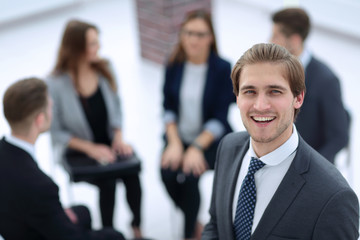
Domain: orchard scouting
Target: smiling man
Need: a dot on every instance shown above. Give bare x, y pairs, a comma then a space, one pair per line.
272, 184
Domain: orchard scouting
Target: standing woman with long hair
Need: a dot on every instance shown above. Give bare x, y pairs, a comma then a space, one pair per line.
87, 114
197, 94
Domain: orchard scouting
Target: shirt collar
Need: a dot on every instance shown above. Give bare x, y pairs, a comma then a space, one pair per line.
281, 153
305, 57
27, 147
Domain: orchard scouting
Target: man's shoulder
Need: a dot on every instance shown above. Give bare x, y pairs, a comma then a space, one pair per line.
317, 67
9, 150
238, 136
235, 139
17, 165
321, 171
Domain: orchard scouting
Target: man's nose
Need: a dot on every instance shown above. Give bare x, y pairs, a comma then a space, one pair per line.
262, 102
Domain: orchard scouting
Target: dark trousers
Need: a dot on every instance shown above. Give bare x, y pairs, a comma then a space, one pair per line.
84, 223
107, 189
107, 198
184, 190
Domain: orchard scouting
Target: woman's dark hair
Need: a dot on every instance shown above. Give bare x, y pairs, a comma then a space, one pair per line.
73, 48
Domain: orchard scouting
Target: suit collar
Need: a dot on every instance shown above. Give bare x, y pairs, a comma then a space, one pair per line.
15, 149
27, 147
286, 193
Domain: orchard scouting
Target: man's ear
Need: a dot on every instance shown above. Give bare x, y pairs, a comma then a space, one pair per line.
39, 119
296, 40
299, 100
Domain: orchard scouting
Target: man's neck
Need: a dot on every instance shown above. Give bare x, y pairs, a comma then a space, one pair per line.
30, 138
298, 51
263, 148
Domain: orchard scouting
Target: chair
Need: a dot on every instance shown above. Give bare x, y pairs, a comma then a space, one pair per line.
82, 168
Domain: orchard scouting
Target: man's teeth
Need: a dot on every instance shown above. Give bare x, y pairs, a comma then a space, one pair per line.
263, 119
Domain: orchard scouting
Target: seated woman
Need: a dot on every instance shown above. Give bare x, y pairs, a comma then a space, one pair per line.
197, 94
87, 114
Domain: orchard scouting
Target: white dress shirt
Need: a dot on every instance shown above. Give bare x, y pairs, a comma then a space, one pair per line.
28, 147
268, 178
305, 57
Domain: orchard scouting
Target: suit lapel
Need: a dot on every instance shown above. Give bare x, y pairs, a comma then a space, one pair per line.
284, 195
238, 156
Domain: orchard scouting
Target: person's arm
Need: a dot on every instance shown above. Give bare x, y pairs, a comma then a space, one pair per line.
222, 100
119, 146
336, 124
43, 211
194, 159
173, 154
340, 218
100, 152
215, 127
59, 135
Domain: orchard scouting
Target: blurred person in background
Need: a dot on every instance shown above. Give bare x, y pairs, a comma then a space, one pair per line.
29, 204
323, 121
197, 94
87, 114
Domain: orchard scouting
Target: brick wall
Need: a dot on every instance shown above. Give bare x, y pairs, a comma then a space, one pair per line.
159, 22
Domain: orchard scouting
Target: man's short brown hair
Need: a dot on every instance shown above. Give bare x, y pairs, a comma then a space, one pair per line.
293, 20
23, 100
272, 53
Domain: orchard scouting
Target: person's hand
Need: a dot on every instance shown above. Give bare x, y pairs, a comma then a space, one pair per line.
172, 156
194, 161
119, 146
102, 153
71, 215
122, 148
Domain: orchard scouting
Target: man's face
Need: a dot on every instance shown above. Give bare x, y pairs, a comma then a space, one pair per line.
279, 38
267, 104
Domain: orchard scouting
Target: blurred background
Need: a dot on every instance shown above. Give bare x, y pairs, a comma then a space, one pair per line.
137, 35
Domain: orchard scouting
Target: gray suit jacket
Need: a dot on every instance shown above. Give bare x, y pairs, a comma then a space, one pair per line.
313, 200
69, 119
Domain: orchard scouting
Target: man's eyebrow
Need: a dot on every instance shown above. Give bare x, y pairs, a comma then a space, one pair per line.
246, 87
276, 87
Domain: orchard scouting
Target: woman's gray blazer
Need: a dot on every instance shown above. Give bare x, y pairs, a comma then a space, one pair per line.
69, 119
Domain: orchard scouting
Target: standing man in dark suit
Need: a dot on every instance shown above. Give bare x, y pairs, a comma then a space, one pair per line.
29, 202
272, 184
323, 121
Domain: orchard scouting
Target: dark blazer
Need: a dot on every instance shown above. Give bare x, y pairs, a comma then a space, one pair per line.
322, 120
218, 93
313, 201
29, 201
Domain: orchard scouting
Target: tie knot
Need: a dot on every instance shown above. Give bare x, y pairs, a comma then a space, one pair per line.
255, 164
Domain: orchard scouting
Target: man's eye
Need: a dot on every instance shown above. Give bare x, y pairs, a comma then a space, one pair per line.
249, 92
275, 92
